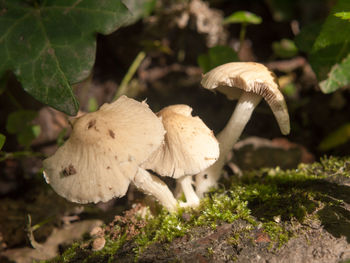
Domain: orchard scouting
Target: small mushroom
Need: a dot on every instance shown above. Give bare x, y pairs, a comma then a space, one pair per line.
189, 147
248, 82
103, 154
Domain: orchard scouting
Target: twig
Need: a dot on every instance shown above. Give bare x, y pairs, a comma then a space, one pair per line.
242, 36
132, 69
30, 233
287, 65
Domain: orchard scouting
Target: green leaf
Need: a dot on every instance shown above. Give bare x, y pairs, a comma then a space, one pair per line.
339, 76
336, 138
329, 34
281, 10
139, 8
307, 36
2, 140
285, 48
343, 15
27, 135
50, 45
60, 137
243, 17
216, 56
3, 83
290, 90
20, 123
92, 104
332, 46
17, 121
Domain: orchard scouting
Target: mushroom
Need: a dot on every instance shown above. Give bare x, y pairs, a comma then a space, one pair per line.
248, 82
189, 147
103, 154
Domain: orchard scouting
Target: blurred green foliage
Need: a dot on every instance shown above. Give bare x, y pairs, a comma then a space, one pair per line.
336, 138
285, 48
2, 140
216, 56
20, 124
243, 17
92, 104
343, 15
306, 38
329, 52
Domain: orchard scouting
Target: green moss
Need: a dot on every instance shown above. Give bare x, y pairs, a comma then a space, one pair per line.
210, 251
270, 198
278, 234
164, 227
68, 254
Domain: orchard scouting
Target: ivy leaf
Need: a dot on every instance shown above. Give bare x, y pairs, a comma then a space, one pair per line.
331, 47
306, 38
50, 45
216, 56
139, 8
339, 76
243, 17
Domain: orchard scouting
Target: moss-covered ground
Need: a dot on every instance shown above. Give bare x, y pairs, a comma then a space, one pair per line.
272, 202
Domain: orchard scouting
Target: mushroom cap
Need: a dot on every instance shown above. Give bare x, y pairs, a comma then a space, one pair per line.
103, 152
189, 145
233, 78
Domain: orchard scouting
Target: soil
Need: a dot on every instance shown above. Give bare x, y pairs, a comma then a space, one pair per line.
322, 238
206, 245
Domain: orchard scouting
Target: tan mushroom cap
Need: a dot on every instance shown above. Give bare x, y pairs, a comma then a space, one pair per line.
189, 145
104, 150
249, 77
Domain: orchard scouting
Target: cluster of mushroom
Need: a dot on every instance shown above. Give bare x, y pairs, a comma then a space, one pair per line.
119, 144
112, 147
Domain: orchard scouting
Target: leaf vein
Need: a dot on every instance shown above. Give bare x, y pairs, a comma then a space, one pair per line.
56, 59
83, 9
16, 22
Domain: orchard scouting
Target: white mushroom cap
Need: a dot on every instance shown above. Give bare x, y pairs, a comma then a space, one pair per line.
102, 155
234, 78
189, 145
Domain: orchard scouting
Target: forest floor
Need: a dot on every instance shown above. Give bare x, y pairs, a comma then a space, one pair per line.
265, 215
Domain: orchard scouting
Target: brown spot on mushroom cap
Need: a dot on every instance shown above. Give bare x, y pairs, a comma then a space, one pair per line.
70, 170
91, 149
111, 133
91, 124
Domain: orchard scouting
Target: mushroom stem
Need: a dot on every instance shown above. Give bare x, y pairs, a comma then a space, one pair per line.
192, 199
152, 185
227, 138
